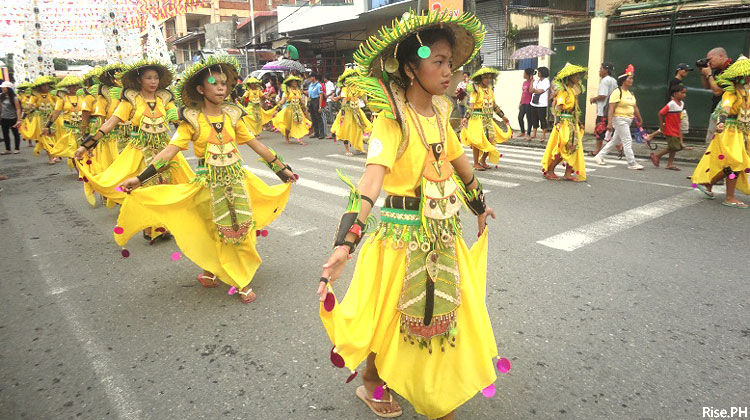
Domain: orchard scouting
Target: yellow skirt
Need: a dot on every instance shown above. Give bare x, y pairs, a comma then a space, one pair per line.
556, 146
727, 150
65, 144
283, 121
256, 126
30, 128
127, 165
367, 321
185, 210
474, 135
345, 128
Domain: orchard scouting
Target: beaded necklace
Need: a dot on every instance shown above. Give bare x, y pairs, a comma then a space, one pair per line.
418, 124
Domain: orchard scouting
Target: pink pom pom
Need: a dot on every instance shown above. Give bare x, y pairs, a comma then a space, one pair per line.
732, 176
232, 290
296, 177
564, 165
379, 392
85, 179
747, 170
264, 233
501, 155
336, 359
721, 157
503, 365
351, 377
694, 185
119, 230
175, 256
119, 189
257, 233
578, 172
80, 179
489, 392
125, 253
329, 302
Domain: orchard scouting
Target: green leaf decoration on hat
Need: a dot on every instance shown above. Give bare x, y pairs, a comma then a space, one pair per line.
250, 80
569, 70
43, 80
69, 81
130, 74
740, 68
186, 93
291, 78
345, 75
484, 70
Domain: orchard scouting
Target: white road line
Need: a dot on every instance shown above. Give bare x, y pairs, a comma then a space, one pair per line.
289, 226
661, 184
332, 163
537, 163
313, 185
501, 174
362, 158
592, 232
540, 152
303, 170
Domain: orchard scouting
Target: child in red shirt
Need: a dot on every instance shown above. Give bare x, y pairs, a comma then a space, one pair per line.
669, 121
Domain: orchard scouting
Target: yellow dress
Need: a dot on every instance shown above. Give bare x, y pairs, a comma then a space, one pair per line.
568, 130
66, 137
189, 211
151, 136
256, 116
482, 132
28, 130
351, 123
729, 148
42, 104
292, 116
369, 317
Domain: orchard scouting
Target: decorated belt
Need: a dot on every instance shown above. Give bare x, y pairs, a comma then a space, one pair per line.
401, 202
400, 217
569, 116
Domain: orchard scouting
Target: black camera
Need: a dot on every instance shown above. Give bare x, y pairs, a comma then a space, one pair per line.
702, 63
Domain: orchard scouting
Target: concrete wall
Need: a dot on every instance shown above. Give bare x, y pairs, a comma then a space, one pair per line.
316, 15
220, 35
508, 94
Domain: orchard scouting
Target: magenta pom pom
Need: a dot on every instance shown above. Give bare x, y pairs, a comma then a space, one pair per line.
296, 177
257, 233
732, 176
501, 155
489, 392
379, 392
80, 179
503, 365
578, 172
175, 256
88, 162
119, 230
264, 233
125, 253
336, 359
232, 290
119, 189
329, 302
721, 157
351, 377
694, 185
747, 170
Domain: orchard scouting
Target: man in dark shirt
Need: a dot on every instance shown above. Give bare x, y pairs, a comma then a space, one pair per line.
679, 75
717, 63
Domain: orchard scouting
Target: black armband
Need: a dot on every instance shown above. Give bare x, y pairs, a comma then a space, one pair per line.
722, 119
369, 200
89, 142
350, 222
475, 200
151, 171
277, 165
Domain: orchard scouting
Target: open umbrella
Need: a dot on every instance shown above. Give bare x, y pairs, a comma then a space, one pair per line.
284, 64
530, 51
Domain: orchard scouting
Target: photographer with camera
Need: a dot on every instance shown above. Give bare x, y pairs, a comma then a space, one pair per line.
712, 66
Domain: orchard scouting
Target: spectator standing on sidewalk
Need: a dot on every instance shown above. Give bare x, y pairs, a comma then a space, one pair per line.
607, 85
462, 95
622, 110
539, 100
314, 92
330, 111
670, 118
525, 104
10, 116
717, 62
680, 73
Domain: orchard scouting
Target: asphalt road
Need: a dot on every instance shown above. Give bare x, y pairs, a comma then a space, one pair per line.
622, 298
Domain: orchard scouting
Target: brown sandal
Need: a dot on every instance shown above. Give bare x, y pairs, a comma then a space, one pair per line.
362, 394
208, 281
247, 297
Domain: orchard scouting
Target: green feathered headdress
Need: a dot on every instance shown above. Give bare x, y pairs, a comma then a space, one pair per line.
187, 92
92, 77
109, 73
377, 55
738, 69
69, 81
130, 75
291, 78
23, 87
43, 80
250, 80
346, 75
481, 72
569, 70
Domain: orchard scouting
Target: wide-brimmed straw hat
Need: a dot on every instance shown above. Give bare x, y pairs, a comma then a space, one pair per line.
187, 92
130, 75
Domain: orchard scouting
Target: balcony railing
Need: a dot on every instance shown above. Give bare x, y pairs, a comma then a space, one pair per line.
375, 4
567, 5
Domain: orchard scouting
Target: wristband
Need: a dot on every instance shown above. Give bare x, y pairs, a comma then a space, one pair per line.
722, 119
147, 173
368, 199
86, 140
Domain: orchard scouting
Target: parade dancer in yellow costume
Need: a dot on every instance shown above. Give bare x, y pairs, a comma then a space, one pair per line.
213, 218
256, 116
26, 128
351, 124
415, 308
108, 98
727, 155
291, 120
565, 142
480, 131
147, 108
42, 104
69, 105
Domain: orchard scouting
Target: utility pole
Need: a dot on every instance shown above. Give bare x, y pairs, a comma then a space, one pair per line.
252, 31
475, 64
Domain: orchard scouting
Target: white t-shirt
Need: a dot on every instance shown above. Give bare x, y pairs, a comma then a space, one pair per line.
330, 89
544, 85
606, 87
